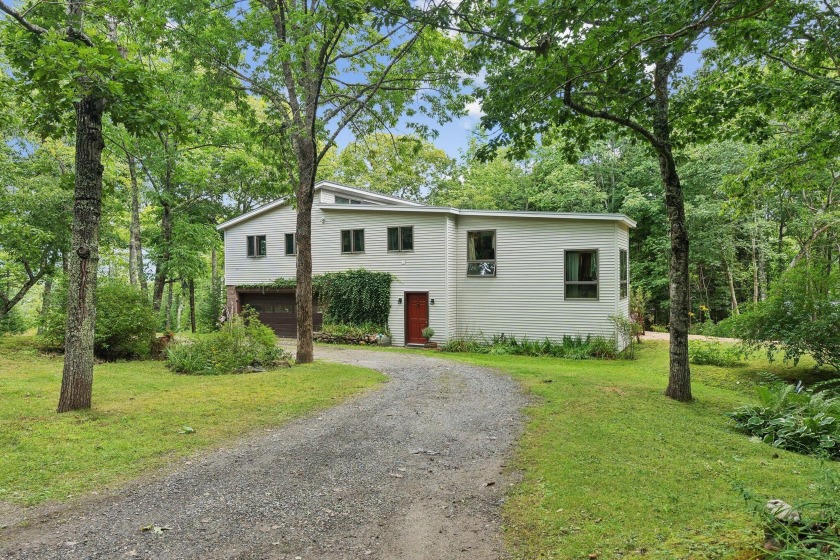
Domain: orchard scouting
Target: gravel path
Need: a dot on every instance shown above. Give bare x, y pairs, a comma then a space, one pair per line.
413, 470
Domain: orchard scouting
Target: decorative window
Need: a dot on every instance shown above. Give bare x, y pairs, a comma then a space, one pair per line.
622, 279
481, 253
581, 275
255, 245
291, 246
352, 241
401, 238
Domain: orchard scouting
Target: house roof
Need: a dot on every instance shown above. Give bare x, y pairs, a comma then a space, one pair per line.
329, 185
394, 204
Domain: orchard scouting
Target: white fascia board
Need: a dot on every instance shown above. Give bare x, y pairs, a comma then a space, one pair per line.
366, 194
487, 213
255, 212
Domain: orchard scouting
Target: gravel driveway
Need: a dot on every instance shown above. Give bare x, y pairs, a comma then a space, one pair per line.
413, 470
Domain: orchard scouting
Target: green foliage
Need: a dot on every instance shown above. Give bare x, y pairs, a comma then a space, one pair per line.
355, 297
125, 322
806, 530
354, 331
12, 322
800, 316
628, 332
242, 342
210, 306
572, 347
794, 418
713, 354
428, 332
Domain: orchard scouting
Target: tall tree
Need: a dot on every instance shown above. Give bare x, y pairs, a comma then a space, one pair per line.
321, 68
64, 57
600, 68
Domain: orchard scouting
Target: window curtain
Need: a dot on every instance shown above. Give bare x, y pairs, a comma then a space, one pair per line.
471, 247
572, 266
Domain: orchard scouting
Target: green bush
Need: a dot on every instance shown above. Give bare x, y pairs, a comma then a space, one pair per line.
353, 330
714, 354
240, 345
800, 316
12, 322
793, 418
572, 347
125, 322
807, 530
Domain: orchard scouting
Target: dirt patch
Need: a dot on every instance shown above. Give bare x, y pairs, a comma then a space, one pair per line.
414, 470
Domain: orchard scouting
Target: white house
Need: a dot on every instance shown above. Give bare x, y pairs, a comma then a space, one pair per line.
528, 274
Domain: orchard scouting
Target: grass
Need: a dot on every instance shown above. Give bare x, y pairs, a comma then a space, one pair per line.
613, 468
139, 409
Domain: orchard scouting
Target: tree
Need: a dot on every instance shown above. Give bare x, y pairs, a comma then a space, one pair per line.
599, 69
58, 65
404, 166
320, 68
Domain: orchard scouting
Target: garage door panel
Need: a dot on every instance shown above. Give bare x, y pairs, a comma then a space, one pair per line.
278, 312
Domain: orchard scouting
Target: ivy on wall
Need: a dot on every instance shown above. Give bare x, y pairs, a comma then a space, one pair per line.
354, 297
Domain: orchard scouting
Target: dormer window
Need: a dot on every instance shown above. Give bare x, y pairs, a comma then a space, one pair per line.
345, 200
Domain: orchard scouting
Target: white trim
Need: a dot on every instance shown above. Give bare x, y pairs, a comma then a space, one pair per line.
253, 213
487, 213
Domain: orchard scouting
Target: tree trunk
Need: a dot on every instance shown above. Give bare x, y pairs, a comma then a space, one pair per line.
192, 305
77, 378
135, 258
303, 234
732, 295
679, 378
45, 304
168, 309
163, 266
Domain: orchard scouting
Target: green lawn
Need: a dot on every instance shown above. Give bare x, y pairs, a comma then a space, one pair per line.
139, 409
613, 468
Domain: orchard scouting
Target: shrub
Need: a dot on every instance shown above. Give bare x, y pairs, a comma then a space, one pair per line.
242, 344
807, 530
12, 322
800, 316
339, 329
659, 328
713, 354
572, 347
793, 418
125, 322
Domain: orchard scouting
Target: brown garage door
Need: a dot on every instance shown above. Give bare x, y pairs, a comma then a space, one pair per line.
278, 312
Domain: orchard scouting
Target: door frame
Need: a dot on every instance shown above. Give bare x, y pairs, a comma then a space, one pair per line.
405, 315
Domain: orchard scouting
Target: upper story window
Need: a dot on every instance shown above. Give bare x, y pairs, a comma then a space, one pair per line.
581, 275
481, 253
345, 200
401, 238
255, 245
622, 279
291, 245
352, 241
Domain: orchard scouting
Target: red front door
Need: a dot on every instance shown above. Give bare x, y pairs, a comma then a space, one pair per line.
417, 317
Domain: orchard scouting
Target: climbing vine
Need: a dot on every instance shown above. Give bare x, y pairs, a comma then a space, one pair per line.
355, 297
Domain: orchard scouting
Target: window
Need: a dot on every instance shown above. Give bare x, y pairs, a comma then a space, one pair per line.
255, 245
401, 238
291, 246
345, 200
581, 275
481, 253
352, 241
622, 281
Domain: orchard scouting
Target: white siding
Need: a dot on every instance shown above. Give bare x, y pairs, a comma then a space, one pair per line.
451, 274
326, 197
420, 270
525, 298
241, 269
